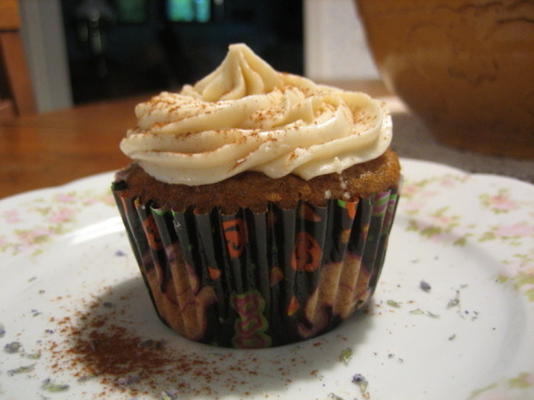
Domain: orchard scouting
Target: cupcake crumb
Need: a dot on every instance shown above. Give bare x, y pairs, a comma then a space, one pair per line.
425, 286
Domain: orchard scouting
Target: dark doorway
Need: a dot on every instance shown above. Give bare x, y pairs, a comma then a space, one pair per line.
120, 48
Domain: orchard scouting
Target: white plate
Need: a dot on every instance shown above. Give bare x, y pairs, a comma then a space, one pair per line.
471, 237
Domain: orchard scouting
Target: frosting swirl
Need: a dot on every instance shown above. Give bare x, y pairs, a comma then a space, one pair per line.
247, 116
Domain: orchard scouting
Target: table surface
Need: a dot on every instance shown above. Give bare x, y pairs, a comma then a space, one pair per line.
54, 148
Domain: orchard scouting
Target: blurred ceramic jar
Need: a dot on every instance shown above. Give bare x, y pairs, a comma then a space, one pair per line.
465, 67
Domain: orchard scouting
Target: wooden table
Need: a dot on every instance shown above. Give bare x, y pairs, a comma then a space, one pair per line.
54, 148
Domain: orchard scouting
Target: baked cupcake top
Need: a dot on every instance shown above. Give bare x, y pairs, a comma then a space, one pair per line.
246, 116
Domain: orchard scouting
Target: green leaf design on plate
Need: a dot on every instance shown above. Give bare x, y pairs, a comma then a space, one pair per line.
418, 311
345, 355
520, 281
520, 382
393, 303
460, 241
52, 387
21, 370
33, 356
524, 279
476, 393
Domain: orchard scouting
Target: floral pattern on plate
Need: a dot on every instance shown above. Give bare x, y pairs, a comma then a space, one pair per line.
34, 222
492, 211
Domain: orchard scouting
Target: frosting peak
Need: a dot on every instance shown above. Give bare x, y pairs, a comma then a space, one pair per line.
242, 73
247, 116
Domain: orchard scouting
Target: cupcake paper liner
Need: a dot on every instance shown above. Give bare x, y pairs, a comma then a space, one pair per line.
259, 279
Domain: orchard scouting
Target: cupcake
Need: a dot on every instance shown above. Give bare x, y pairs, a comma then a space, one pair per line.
258, 203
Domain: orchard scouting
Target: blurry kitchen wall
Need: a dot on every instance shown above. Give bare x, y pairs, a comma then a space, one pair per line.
87, 50
335, 47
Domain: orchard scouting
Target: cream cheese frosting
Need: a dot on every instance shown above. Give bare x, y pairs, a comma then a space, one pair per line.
246, 116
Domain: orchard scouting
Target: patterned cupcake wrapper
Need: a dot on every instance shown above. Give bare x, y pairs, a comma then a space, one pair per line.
259, 279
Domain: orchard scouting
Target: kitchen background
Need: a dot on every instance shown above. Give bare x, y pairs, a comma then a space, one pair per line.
89, 50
